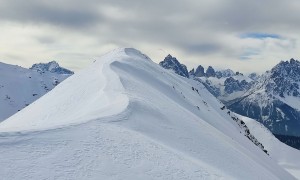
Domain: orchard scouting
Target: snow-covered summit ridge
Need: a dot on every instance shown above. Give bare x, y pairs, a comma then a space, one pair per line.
133, 119
79, 87
52, 67
98, 97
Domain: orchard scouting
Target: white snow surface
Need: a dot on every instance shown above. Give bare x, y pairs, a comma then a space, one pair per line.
20, 86
286, 156
125, 117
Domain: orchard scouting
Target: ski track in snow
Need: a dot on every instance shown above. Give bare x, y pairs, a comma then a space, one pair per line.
141, 123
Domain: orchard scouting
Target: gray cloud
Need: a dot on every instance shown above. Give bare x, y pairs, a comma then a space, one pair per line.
41, 12
203, 48
195, 30
45, 40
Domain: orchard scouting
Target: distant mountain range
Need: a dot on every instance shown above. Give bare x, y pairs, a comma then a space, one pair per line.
19, 86
272, 98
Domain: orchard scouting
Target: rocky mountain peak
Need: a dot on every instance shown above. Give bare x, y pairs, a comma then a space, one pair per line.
253, 76
171, 62
210, 72
287, 68
224, 73
200, 71
286, 78
51, 66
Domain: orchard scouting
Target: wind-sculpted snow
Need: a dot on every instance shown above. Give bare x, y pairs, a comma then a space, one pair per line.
125, 117
84, 96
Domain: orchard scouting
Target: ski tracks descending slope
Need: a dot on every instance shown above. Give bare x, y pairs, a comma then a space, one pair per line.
147, 124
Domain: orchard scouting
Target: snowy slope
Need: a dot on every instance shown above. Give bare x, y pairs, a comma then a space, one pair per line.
285, 156
20, 86
125, 117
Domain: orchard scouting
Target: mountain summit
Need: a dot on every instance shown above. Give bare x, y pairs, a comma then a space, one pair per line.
274, 99
52, 67
285, 79
125, 117
172, 63
271, 98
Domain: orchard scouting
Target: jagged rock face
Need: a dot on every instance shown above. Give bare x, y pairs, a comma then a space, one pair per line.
261, 97
277, 116
172, 63
192, 72
224, 88
211, 88
224, 73
274, 99
218, 88
52, 67
253, 76
199, 71
286, 78
232, 85
210, 72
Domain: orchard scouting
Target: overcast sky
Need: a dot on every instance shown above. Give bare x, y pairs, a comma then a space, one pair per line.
244, 35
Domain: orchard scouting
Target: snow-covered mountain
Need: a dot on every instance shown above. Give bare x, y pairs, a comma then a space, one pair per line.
274, 99
172, 63
52, 67
226, 85
226, 88
125, 117
20, 86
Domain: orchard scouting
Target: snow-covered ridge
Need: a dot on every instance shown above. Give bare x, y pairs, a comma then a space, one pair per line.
19, 86
125, 117
109, 99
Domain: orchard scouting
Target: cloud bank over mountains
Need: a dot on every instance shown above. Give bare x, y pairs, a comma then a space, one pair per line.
246, 35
